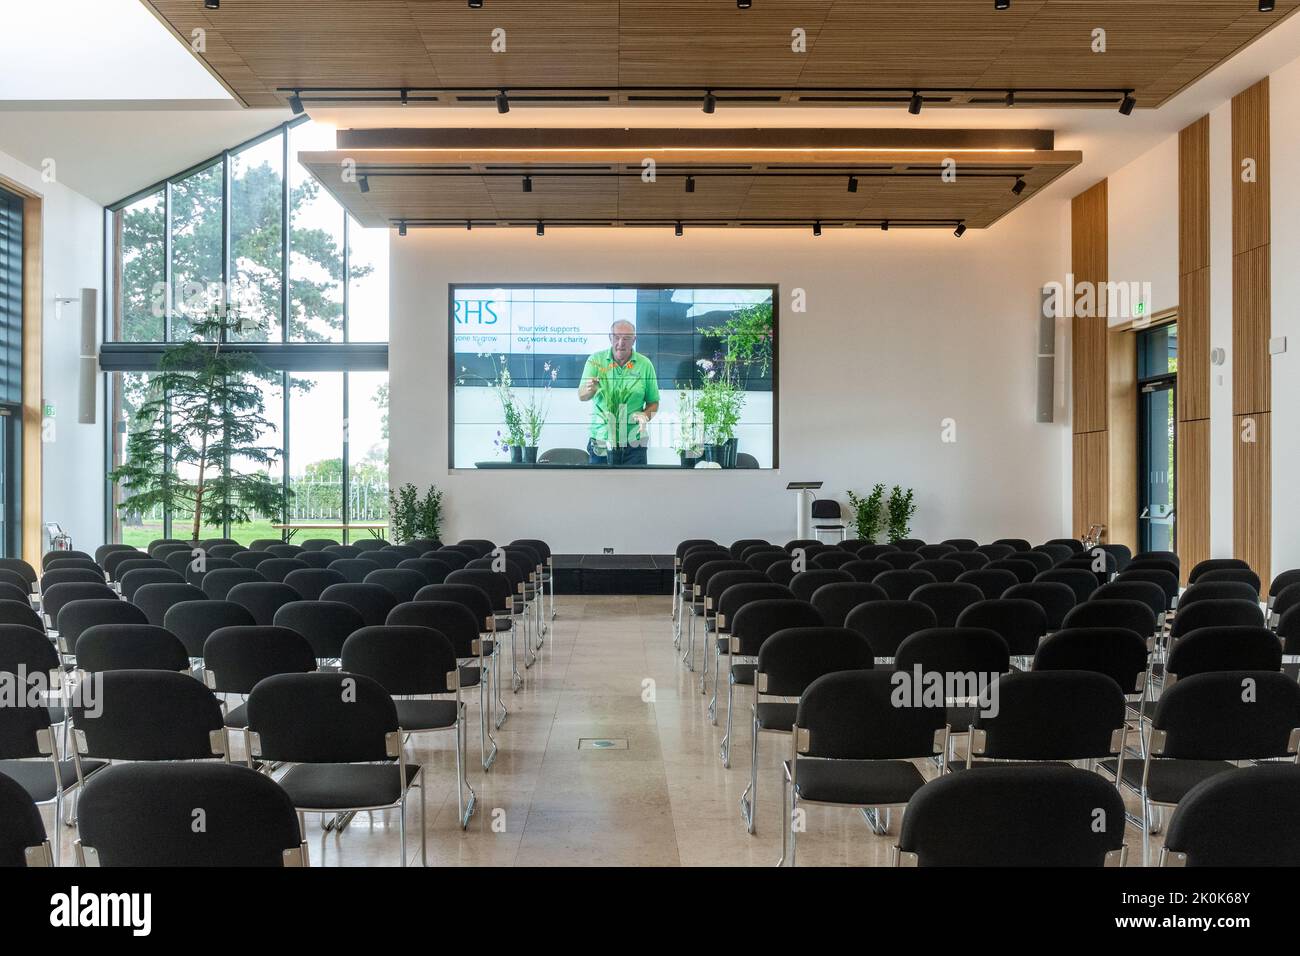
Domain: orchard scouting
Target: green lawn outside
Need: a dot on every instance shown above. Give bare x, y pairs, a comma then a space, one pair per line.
141, 535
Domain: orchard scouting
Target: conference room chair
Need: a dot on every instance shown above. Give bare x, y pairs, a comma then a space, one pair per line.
180, 561
263, 598
325, 624
194, 621
1016, 544
1149, 593
315, 559
22, 613
342, 551
71, 564
1055, 552
1051, 716
900, 584
900, 560
1286, 599
104, 550
354, 570
132, 581
163, 551
1215, 564
215, 542
682, 548
700, 608
886, 624
961, 544
947, 599
1216, 613
752, 623
404, 585
1014, 816
15, 580
159, 542
53, 600
371, 601
851, 747
482, 546
433, 572
142, 815
804, 543
1097, 562
1081, 581
196, 571
969, 560
124, 568
871, 552
1203, 722
835, 600
755, 549
1153, 564
760, 559
1166, 580
805, 583
1021, 623
311, 582
318, 544
534, 585
380, 558
1040, 560
424, 544
130, 647
787, 662
1120, 552
458, 625
690, 604
156, 599
1239, 818
1074, 544
992, 582
515, 574
1134, 615
218, 583
265, 544
282, 550
344, 748
1231, 648
75, 616
958, 654
251, 559
908, 544
715, 630
277, 569
548, 571
402, 551
865, 569
739, 547
832, 559
944, 571
996, 552
479, 604
23, 842
500, 618
1242, 575
852, 545
368, 544
1283, 580
931, 551
1207, 590
237, 658
224, 550
1171, 556
782, 571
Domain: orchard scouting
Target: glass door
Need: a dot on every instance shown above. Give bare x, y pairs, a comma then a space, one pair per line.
1157, 438
11, 372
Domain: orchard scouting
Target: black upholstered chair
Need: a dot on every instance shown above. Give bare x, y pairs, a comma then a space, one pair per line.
22, 832
835, 600
263, 599
1238, 818
1056, 599
123, 647
1223, 648
900, 584
156, 599
992, 582
218, 583
1134, 615
947, 599
886, 624
325, 624
193, 621
237, 658
1020, 622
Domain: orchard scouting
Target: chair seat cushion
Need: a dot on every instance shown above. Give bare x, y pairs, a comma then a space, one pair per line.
503, 622
857, 782
469, 675
425, 714
37, 776
743, 673
1169, 780
774, 715
345, 786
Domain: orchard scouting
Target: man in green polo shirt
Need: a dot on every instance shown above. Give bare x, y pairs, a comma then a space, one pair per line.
626, 392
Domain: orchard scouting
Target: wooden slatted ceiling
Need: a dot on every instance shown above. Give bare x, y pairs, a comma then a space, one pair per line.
1156, 47
485, 184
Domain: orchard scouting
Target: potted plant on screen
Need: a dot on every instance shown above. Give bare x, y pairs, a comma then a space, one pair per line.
533, 411
867, 513
720, 402
687, 444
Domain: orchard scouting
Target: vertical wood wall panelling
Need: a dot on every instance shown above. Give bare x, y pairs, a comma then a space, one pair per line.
1089, 371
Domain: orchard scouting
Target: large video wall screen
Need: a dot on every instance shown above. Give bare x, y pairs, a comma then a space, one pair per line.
613, 376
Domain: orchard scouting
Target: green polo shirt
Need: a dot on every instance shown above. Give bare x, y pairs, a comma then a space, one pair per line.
642, 389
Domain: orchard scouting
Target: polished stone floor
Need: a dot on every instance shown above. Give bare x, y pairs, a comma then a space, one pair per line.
607, 670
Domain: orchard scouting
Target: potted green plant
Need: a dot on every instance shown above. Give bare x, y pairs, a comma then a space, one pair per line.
411, 517
720, 403
900, 510
867, 513
533, 411
687, 444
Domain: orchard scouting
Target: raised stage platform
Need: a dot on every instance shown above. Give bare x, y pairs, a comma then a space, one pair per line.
613, 573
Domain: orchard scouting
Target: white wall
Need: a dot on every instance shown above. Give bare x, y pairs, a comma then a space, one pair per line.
1284, 99
903, 330
1142, 200
73, 461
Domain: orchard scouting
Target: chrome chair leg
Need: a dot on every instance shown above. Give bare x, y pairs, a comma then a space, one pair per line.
726, 735
462, 782
485, 734
749, 796
713, 701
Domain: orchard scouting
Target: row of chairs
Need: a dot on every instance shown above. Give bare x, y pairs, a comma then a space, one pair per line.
127, 692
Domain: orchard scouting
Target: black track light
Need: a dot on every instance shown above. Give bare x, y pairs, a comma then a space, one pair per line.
1001, 4
853, 184
677, 230
216, 4
469, 225
364, 183
1019, 187
690, 184
528, 184
744, 4
503, 102
401, 229
817, 229
476, 4
1265, 6
1126, 105
295, 103
1011, 97
960, 230
406, 100
884, 226
541, 228
914, 104
710, 102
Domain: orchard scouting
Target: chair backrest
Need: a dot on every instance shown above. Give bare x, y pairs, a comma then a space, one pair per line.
737, 596
371, 601
404, 584
853, 715
143, 815
1149, 593
1241, 575
1284, 580
104, 550
697, 559
456, 622
705, 573
369, 544
1171, 556
193, 621
1122, 554
483, 546
1216, 613
992, 582
217, 583
195, 573
954, 650
947, 599
781, 571
899, 584
739, 547
969, 560
496, 586
724, 579
263, 599
343, 551
1099, 563
11, 579
944, 571
148, 715
156, 599
1074, 544
886, 624
755, 621
26, 650
379, 557
133, 581
900, 560
689, 543
22, 613
432, 570
869, 552
282, 550
932, 551
265, 544
75, 616
537, 544
114, 560
1040, 560
761, 555
826, 509
404, 659
1288, 631
353, 570
325, 624
996, 552
865, 569
226, 550
1053, 597
236, 659
20, 567
1230, 648
322, 718
1136, 616
834, 558
318, 544
1055, 552
1080, 581
130, 647
1016, 544
834, 601
1020, 622
1227, 715
908, 544
805, 583
793, 658
277, 569
310, 583
1287, 598
1015, 816
53, 600
22, 831
1164, 579
1060, 715
1120, 654
1215, 564
1154, 564
71, 576
961, 544
804, 543
404, 551
1242, 817
250, 559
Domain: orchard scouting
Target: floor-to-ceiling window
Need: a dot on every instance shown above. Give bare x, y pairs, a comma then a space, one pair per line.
252, 233
1157, 373
11, 371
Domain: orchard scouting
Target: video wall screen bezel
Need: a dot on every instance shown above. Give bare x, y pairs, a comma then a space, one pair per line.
454, 287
